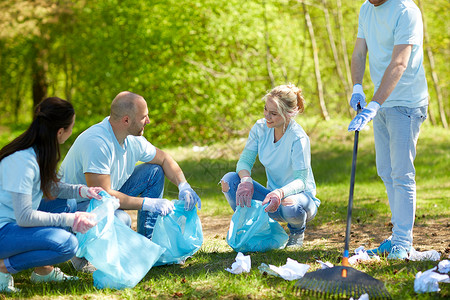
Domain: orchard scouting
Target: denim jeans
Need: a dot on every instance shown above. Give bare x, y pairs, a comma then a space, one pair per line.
147, 180
28, 247
396, 131
297, 215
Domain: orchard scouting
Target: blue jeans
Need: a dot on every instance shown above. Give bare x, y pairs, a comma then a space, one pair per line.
28, 247
297, 215
396, 131
147, 180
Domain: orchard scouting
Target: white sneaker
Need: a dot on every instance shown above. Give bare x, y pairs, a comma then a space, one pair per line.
7, 283
81, 264
55, 275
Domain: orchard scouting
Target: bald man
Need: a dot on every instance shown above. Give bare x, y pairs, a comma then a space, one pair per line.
106, 155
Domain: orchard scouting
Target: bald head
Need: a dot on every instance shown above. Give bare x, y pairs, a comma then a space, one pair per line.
125, 104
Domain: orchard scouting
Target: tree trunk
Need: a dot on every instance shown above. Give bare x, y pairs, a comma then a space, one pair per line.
266, 43
335, 53
18, 97
344, 52
322, 104
434, 76
39, 72
68, 77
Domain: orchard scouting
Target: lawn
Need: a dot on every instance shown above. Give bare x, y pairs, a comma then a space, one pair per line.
204, 275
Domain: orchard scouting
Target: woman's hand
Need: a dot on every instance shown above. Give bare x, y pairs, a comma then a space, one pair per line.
274, 200
83, 221
90, 192
244, 192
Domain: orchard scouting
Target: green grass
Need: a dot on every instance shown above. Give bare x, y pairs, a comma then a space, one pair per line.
204, 275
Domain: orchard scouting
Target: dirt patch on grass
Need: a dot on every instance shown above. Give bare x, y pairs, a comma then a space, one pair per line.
432, 235
429, 234
213, 226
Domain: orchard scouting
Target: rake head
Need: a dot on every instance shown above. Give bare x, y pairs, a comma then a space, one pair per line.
341, 282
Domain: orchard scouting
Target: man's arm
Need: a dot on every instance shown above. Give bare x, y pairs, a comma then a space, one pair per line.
393, 73
174, 173
104, 181
359, 61
391, 76
171, 168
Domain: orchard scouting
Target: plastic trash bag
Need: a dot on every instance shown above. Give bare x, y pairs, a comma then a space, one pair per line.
179, 233
122, 256
252, 230
104, 208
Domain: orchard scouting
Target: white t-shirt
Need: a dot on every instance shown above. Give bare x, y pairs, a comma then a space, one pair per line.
395, 22
97, 150
19, 173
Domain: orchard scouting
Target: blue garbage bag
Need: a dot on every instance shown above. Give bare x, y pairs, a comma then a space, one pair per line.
122, 256
252, 230
179, 232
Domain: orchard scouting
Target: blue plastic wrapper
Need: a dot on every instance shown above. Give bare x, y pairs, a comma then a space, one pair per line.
122, 256
180, 233
252, 230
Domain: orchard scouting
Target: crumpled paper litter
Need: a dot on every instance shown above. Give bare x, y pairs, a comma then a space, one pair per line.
325, 265
428, 281
242, 264
362, 297
432, 255
444, 266
361, 255
292, 270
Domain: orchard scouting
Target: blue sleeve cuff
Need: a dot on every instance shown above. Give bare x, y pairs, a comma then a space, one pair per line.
246, 161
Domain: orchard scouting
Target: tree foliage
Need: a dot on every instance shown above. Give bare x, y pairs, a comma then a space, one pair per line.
203, 66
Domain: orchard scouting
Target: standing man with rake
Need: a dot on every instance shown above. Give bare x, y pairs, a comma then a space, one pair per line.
391, 31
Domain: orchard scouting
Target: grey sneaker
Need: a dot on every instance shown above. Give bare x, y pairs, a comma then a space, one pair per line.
7, 283
398, 252
55, 275
296, 240
81, 264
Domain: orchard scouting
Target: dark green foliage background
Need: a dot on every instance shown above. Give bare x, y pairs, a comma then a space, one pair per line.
201, 65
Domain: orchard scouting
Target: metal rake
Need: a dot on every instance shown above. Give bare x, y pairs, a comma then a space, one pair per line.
343, 281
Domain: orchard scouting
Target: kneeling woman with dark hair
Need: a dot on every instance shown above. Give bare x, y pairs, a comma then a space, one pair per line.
28, 237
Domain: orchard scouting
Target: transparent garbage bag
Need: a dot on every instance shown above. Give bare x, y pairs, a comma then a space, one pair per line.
122, 256
252, 230
180, 233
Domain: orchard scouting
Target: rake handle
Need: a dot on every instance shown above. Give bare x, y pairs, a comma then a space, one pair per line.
350, 198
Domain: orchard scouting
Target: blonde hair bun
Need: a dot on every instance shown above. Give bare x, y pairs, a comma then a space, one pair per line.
289, 100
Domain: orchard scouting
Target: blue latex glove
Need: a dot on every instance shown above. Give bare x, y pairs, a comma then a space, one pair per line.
189, 196
157, 205
364, 117
358, 96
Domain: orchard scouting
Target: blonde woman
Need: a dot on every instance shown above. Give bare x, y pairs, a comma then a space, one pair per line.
283, 149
